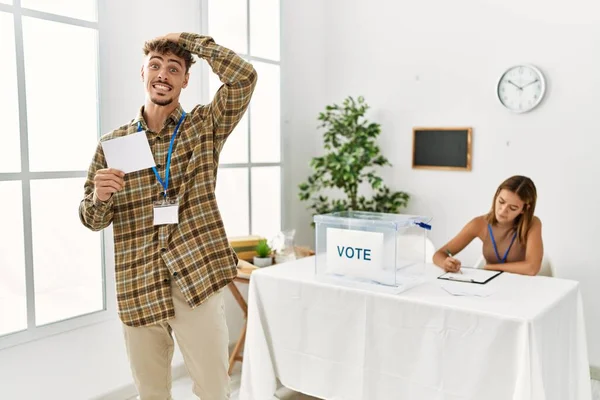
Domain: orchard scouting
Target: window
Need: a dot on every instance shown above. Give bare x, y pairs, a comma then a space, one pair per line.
52, 267
249, 182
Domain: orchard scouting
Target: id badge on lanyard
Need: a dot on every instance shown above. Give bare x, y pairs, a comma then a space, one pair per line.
166, 209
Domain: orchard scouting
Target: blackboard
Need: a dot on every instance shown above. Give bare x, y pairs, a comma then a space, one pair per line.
442, 148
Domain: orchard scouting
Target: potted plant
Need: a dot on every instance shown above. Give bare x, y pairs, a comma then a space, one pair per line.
351, 160
263, 256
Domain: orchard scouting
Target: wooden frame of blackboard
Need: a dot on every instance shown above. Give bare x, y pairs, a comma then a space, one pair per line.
468, 131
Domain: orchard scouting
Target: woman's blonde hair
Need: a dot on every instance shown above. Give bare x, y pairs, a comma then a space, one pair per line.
523, 187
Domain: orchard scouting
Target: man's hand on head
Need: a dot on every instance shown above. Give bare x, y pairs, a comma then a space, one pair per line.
172, 37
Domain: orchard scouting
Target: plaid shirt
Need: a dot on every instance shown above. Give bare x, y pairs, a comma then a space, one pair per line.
195, 252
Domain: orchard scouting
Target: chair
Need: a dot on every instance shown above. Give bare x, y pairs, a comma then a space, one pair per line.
546, 269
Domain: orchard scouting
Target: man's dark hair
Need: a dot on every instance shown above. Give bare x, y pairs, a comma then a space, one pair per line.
164, 47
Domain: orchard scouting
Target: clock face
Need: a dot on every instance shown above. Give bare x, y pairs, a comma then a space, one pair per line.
521, 88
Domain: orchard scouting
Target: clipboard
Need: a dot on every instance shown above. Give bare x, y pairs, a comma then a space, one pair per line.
471, 275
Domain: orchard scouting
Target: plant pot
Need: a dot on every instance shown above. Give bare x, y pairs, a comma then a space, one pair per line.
262, 261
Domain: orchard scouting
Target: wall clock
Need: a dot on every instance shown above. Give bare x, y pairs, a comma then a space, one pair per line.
521, 88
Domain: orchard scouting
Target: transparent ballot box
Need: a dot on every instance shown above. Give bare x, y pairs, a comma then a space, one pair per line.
371, 248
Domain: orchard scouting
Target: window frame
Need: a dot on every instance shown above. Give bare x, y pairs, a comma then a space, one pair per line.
25, 176
249, 165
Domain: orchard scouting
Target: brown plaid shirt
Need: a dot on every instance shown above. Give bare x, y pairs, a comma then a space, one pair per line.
195, 252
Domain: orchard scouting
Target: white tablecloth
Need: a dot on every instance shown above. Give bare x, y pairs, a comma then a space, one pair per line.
526, 341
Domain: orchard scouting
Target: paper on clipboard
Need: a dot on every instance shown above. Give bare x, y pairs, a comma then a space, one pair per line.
472, 275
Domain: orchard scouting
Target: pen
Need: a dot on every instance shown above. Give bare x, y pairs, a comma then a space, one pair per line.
450, 255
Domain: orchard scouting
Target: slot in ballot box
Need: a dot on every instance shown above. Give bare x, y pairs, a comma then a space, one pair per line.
371, 248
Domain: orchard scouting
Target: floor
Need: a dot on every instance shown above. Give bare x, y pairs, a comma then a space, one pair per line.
182, 390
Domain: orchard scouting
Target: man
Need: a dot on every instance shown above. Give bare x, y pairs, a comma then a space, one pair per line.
172, 256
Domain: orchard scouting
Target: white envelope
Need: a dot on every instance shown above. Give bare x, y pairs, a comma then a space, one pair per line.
129, 153
467, 289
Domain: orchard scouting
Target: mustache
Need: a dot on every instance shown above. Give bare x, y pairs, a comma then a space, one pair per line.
162, 83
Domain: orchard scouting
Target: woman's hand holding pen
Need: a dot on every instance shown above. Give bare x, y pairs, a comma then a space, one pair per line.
451, 264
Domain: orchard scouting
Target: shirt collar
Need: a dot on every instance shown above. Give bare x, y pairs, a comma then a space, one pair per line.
172, 118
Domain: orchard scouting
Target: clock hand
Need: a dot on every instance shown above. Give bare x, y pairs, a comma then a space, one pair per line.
517, 86
530, 83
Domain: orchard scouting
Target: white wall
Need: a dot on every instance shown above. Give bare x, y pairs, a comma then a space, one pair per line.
378, 49
304, 59
436, 63
91, 362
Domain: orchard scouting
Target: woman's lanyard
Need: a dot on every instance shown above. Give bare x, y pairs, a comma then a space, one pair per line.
165, 183
503, 259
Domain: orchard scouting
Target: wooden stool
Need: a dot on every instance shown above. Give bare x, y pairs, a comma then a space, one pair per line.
245, 269
243, 276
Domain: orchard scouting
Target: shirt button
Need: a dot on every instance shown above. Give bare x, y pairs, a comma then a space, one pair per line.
175, 273
165, 280
158, 165
163, 249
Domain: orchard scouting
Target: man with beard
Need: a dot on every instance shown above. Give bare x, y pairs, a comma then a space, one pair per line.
172, 256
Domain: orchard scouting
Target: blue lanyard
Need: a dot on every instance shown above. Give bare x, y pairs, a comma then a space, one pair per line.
503, 259
165, 183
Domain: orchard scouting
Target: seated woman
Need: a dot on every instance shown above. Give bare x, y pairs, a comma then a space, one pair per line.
511, 234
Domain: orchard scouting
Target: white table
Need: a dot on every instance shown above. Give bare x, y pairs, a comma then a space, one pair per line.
526, 341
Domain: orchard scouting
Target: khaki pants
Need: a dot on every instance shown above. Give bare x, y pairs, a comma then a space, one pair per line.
203, 339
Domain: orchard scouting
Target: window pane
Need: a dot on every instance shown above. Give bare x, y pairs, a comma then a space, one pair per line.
80, 9
232, 197
264, 29
235, 150
10, 151
62, 109
266, 201
264, 115
67, 257
13, 299
6, 1
228, 24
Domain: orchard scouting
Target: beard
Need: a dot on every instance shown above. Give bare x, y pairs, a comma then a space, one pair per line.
161, 102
